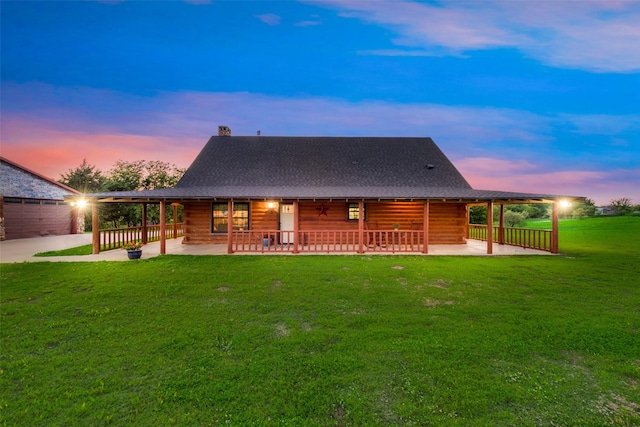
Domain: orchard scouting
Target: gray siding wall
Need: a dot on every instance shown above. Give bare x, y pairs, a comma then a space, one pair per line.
15, 182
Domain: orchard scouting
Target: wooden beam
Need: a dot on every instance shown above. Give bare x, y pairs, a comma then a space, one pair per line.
360, 227
163, 227
145, 236
554, 227
95, 228
296, 228
501, 226
425, 226
490, 228
175, 220
229, 227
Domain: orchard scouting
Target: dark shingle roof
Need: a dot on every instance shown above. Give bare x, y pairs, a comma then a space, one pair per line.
322, 163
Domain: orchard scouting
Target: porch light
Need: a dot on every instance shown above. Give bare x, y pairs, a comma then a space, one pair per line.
271, 205
564, 204
80, 204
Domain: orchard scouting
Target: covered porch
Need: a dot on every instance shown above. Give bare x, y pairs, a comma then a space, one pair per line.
362, 237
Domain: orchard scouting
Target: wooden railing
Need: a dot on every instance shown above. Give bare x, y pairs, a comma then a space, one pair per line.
113, 238
393, 241
329, 241
531, 238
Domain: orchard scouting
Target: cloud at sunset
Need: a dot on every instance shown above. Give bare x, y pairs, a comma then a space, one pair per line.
509, 175
501, 149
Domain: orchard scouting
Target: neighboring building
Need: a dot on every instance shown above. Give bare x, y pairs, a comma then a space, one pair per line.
32, 205
312, 193
606, 210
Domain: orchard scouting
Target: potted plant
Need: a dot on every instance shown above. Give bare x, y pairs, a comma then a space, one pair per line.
133, 248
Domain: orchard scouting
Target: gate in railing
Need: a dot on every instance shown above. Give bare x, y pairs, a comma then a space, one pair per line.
329, 241
531, 238
113, 238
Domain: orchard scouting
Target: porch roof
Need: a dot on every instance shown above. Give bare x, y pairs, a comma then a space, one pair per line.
323, 193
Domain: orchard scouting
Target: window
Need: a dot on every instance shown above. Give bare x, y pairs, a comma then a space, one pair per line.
353, 211
220, 217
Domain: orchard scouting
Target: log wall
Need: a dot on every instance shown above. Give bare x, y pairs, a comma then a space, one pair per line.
447, 221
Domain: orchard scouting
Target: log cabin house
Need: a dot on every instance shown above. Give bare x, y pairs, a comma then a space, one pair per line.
327, 194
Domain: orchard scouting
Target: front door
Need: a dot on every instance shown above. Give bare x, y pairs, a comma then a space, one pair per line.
286, 223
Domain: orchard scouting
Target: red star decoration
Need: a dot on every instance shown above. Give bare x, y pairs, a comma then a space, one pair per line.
323, 210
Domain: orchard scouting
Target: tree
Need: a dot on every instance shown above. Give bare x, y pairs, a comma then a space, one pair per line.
139, 175
514, 219
160, 175
477, 215
581, 210
85, 178
622, 206
143, 175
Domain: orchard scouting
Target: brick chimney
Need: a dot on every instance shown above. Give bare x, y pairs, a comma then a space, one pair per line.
224, 131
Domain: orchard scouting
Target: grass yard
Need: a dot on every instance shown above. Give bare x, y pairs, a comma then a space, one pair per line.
330, 340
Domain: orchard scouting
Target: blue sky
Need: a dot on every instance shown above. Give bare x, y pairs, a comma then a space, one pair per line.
530, 96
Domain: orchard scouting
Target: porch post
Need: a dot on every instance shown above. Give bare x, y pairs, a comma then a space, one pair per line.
145, 236
296, 228
95, 228
554, 228
163, 227
361, 227
230, 227
490, 227
425, 227
175, 220
501, 226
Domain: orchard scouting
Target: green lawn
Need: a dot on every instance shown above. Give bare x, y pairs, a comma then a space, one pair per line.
79, 250
330, 340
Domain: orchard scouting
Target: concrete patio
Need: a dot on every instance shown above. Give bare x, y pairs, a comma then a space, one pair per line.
23, 250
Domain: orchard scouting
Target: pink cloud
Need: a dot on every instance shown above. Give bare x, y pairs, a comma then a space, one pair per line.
53, 152
499, 149
523, 176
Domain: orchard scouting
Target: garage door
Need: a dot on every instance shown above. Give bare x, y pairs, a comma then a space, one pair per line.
34, 218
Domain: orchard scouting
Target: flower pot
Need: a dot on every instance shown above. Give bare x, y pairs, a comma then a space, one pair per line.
134, 254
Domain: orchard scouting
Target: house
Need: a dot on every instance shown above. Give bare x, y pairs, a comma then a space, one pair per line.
32, 205
333, 194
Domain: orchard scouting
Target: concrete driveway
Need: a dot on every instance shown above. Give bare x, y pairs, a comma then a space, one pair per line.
22, 250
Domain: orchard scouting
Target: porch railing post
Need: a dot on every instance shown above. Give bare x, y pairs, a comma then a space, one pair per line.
230, 227
175, 220
145, 236
163, 228
95, 228
425, 226
360, 227
501, 226
296, 228
554, 228
490, 227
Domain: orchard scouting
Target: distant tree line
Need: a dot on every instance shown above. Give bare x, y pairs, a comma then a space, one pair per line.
516, 215
124, 176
